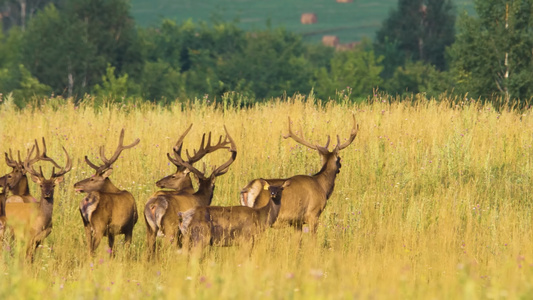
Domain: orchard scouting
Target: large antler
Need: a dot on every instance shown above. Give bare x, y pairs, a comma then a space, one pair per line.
9, 159
201, 152
222, 169
28, 163
108, 162
324, 149
38, 156
353, 134
300, 140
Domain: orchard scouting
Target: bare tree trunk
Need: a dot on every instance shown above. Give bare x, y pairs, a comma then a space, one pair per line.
22, 14
70, 80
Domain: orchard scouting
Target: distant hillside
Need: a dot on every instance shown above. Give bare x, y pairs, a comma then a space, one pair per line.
349, 21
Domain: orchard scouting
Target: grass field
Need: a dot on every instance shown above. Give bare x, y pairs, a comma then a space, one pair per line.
433, 201
349, 21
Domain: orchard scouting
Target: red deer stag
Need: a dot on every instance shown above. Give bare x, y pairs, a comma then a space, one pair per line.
224, 226
306, 197
17, 181
36, 218
161, 214
180, 181
106, 210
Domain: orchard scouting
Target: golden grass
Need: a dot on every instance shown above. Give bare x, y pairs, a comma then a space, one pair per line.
432, 201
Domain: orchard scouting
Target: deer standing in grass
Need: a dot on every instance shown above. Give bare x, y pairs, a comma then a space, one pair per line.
36, 218
306, 197
106, 210
225, 226
161, 211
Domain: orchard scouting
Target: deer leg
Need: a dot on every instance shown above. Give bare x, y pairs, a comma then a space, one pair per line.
151, 241
35, 242
30, 250
95, 240
127, 239
88, 233
171, 238
312, 222
111, 242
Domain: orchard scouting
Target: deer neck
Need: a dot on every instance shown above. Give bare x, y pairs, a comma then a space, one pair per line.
187, 186
109, 187
21, 188
46, 207
204, 193
269, 213
326, 176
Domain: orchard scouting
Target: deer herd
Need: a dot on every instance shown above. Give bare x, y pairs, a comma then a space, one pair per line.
183, 216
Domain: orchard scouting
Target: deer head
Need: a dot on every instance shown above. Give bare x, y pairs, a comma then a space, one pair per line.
180, 179
103, 171
330, 159
46, 185
207, 182
14, 178
253, 189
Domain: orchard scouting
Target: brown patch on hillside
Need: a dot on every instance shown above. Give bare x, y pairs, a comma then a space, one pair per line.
308, 18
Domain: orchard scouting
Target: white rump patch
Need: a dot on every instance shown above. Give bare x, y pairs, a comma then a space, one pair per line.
250, 192
88, 205
154, 210
15, 199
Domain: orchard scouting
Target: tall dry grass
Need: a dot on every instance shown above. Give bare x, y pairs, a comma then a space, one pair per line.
433, 201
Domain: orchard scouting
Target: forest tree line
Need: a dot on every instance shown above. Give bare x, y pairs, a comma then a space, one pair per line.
75, 48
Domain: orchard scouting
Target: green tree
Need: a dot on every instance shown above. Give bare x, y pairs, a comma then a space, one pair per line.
416, 30
419, 77
110, 30
69, 49
271, 63
18, 12
114, 88
14, 77
55, 51
357, 71
492, 54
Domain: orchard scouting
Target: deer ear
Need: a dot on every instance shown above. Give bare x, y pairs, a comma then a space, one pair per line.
58, 179
286, 183
107, 173
244, 198
36, 179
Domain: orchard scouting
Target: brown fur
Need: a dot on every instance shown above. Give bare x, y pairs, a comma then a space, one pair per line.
225, 226
161, 210
17, 181
35, 219
106, 210
306, 197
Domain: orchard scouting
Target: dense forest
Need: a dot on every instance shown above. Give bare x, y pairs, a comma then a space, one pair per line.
83, 48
